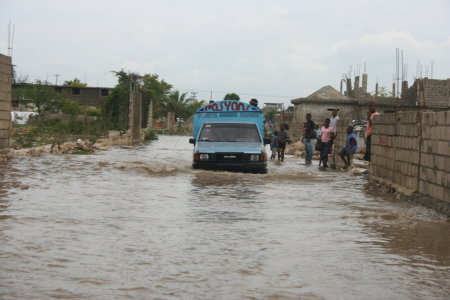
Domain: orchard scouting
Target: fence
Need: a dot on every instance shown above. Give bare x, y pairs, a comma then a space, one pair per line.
412, 151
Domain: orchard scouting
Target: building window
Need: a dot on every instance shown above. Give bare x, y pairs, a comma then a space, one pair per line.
58, 89
104, 92
76, 91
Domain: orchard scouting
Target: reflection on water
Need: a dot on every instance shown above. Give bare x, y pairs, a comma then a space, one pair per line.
140, 223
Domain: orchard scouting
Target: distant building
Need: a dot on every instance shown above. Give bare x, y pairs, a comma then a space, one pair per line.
87, 96
273, 106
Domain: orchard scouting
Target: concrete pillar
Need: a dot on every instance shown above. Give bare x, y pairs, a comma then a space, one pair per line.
170, 121
135, 112
376, 89
356, 88
349, 88
5, 101
364, 83
404, 88
150, 114
393, 90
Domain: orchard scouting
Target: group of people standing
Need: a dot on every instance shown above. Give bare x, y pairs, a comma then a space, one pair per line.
325, 135
278, 142
321, 138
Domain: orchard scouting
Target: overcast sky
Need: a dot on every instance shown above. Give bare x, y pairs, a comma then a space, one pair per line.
272, 50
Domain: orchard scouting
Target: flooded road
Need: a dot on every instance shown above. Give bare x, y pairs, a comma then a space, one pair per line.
139, 223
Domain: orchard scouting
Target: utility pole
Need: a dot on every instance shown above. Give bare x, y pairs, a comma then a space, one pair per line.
11, 28
56, 76
194, 95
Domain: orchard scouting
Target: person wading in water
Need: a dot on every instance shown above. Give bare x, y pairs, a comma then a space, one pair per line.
327, 139
283, 138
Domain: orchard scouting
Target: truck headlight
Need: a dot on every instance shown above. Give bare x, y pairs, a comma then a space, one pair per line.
204, 156
254, 157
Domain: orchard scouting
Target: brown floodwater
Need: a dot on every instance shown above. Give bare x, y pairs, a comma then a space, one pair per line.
139, 223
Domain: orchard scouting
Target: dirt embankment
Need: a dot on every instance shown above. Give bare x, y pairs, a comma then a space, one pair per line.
80, 146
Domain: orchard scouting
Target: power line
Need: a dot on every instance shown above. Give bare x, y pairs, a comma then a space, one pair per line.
255, 94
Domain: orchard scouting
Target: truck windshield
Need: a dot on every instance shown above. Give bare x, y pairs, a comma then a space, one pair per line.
229, 132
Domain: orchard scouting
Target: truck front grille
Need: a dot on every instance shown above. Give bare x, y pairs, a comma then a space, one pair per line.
230, 157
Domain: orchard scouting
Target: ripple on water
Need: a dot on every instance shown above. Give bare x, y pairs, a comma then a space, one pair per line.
139, 222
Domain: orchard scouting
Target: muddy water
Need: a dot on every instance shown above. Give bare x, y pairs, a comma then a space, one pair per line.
139, 223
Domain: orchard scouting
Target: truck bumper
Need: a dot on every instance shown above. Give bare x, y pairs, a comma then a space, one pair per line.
254, 167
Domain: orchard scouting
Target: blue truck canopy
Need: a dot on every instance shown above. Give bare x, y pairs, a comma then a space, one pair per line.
228, 111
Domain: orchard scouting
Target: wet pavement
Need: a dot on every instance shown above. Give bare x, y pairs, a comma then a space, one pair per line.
139, 223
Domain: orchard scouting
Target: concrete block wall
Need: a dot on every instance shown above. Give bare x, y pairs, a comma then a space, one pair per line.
339, 141
434, 178
412, 150
395, 149
436, 92
5, 100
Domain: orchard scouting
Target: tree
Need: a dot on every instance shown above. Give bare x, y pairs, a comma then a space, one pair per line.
191, 107
116, 105
181, 106
383, 92
41, 98
154, 91
271, 114
75, 82
71, 107
231, 96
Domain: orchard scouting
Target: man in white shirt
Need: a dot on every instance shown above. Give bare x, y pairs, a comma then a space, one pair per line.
334, 118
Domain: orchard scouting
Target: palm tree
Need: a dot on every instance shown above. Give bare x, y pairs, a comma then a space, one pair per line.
175, 103
180, 105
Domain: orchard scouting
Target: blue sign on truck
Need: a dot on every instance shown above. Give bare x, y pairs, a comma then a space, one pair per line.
229, 134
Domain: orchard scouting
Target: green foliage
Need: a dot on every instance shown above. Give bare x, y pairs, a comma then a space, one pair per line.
383, 92
57, 131
231, 96
116, 105
70, 107
271, 114
25, 136
180, 106
291, 108
150, 136
94, 112
75, 82
82, 152
156, 91
41, 98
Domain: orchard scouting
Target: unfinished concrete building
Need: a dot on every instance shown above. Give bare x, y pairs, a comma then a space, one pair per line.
424, 94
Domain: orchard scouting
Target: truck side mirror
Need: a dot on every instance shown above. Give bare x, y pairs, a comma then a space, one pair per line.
267, 141
192, 141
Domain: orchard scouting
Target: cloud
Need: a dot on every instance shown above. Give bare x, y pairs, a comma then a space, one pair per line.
264, 47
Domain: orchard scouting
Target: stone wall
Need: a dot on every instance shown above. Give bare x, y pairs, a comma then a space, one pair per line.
411, 151
5, 100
